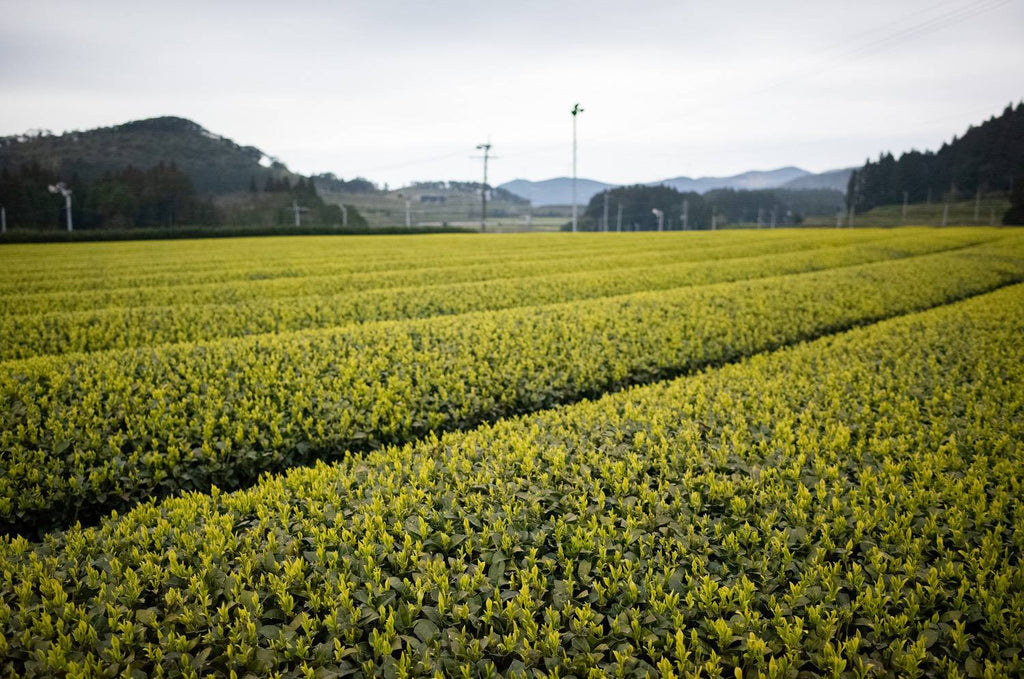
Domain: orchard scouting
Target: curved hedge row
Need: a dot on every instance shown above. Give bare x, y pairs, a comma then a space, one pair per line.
81, 437
63, 268
300, 271
849, 507
24, 336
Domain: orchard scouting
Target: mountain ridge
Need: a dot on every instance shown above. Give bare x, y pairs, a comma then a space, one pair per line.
558, 190
215, 164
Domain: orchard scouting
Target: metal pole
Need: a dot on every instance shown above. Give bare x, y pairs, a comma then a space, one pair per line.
408, 217
686, 214
661, 218
486, 148
344, 215
618, 220
576, 110
295, 208
604, 225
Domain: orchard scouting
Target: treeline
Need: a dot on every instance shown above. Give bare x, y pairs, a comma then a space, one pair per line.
690, 210
159, 197
330, 182
987, 159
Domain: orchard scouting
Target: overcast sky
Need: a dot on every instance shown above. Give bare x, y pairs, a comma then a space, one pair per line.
404, 90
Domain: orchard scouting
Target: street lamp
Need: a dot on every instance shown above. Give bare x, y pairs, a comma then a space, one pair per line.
60, 188
576, 110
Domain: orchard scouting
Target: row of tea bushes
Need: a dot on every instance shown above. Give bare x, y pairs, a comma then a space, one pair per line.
245, 281
81, 437
56, 268
23, 336
850, 507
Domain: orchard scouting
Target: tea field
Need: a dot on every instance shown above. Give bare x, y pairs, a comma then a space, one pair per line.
782, 453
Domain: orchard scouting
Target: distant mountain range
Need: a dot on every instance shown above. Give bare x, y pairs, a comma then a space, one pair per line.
216, 165
558, 191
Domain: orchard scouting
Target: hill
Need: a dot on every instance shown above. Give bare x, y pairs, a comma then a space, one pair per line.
986, 159
215, 165
434, 203
751, 181
558, 191
835, 180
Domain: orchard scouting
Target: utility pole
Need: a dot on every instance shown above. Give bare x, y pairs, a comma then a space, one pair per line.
853, 211
604, 224
344, 215
686, 214
60, 188
576, 110
661, 218
903, 215
486, 148
945, 213
298, 210
618, 220
408, 217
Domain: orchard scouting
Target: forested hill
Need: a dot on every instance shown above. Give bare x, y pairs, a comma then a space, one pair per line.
215, 165
986, 158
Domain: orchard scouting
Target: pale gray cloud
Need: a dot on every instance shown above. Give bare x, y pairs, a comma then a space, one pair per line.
402, 90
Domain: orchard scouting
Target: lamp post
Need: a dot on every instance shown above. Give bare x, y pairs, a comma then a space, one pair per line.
60, 188
576, 110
